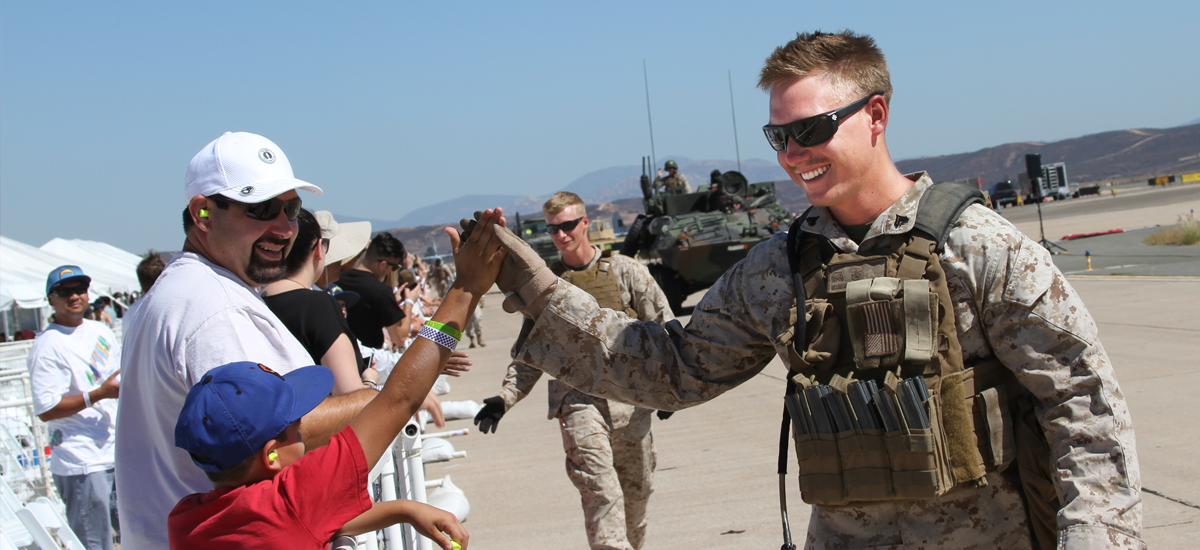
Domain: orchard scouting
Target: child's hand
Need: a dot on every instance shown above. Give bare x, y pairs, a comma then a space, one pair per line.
479, 257
436, 524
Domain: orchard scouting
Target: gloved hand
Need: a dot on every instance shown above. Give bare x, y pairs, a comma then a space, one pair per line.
524, 278
663, 415
468, 225
491, 413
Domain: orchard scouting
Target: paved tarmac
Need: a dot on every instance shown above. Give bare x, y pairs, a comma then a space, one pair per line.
716, 485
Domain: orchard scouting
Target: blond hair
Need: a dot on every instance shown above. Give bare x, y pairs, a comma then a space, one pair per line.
561, 201
852, 62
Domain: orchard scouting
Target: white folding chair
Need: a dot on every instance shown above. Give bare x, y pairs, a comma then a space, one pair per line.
10, 525
40, 518
6, 544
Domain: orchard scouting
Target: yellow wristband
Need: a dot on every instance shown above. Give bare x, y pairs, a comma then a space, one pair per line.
445, 329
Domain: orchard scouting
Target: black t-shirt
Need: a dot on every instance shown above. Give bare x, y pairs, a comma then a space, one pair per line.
315, 319
376, 307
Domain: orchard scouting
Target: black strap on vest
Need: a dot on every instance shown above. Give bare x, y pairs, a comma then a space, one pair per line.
940, 207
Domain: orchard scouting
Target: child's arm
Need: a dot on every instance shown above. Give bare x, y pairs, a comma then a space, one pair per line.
478, 259
427, 520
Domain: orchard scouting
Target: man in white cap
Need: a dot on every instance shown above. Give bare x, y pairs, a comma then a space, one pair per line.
205, 311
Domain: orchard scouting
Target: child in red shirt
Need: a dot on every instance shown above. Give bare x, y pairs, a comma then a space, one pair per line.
241, 425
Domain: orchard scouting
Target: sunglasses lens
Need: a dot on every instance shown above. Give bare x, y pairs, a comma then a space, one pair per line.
291, 209
268, 210
821, 131
776, 137
68, 291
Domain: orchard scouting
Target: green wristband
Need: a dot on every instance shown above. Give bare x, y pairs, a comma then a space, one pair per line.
445, 329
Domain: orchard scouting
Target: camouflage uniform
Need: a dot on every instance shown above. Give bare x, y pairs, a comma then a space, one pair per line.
442, 277
1010, 301
474, 328
609, 445
674, 182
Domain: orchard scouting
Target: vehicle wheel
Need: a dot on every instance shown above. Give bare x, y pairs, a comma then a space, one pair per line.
671, 284
634, 237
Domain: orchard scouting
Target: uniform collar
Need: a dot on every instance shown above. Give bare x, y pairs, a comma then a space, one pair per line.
898, 219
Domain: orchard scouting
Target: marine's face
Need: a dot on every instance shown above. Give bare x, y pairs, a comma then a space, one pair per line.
569, 242
254, 250
832, 173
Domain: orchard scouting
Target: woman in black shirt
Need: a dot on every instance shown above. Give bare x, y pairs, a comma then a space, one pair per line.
314, 317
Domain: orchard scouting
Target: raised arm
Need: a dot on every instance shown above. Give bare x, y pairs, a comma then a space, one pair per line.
478, 260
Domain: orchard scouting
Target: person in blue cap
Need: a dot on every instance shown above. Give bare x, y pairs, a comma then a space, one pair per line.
73, 374
240, 424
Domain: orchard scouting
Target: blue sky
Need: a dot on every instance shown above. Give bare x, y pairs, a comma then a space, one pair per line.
390, 106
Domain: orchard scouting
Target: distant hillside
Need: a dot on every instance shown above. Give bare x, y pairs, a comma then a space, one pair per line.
1096, 157
1089, 158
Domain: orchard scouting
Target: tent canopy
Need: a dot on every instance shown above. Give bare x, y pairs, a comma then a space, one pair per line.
23, 268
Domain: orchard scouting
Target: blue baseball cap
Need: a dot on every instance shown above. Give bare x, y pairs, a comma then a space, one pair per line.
349, 296
65, 274
237, 408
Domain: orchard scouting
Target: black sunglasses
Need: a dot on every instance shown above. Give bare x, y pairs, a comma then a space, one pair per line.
813, 130
68, 291
567, 226
266, 210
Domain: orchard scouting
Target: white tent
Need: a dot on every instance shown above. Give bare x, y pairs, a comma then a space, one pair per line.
23, 269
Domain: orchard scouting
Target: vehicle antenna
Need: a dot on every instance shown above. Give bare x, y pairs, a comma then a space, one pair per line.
646, 78
736, 146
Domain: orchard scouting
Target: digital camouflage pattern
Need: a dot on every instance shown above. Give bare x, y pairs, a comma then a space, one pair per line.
1009, 299
610, 455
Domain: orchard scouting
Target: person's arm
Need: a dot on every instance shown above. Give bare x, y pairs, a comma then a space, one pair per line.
416, 371
518, 382
1037, 325
728, 340
332, 415
340, 359
71, 405
647, 297
431, 522
399, 330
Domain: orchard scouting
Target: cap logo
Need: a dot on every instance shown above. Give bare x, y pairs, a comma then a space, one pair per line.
246, 190
266, 155
64, 273
268, 370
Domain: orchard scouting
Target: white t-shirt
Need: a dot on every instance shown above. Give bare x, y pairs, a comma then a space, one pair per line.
196, 317
69, 361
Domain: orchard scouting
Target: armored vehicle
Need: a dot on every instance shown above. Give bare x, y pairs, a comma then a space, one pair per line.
688, 240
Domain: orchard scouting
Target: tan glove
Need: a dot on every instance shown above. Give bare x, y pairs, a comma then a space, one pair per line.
524, 278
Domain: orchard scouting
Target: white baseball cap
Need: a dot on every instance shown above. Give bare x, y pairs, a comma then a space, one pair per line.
244, 167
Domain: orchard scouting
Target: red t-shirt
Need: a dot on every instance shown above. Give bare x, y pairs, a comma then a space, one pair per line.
301, 507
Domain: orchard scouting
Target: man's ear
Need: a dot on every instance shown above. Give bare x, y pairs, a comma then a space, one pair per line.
200, 208
878, 109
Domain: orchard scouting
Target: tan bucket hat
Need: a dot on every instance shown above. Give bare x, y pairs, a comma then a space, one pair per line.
346, 240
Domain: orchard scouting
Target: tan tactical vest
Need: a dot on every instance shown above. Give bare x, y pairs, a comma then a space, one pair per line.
884, 314
597, 280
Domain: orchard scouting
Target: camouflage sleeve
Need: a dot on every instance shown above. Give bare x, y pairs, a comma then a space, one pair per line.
665, 367
1038, 326
639, 288
518, 382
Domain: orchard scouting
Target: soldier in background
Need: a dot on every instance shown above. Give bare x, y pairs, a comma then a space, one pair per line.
1010, 319
674, 182
441, 276
609, 445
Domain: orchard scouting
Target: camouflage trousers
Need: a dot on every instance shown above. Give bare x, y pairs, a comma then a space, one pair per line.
988, 517
612, 467
474, 330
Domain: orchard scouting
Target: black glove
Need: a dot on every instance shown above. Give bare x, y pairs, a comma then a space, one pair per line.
491, 413
663, 415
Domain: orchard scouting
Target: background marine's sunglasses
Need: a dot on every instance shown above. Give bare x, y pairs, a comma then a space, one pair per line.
567, 226
813, 130
266, 210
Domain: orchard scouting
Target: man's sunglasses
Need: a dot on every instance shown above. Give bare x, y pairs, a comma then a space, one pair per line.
266, 210
68, 291
567, 226
813, 130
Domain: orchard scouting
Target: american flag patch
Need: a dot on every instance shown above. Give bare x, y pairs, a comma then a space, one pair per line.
880, 339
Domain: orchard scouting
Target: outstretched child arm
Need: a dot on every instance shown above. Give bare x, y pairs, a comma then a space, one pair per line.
431, 522
478, 259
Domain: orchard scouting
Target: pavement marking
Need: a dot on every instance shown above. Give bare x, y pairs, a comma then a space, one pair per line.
1152, 326
1143, 278
1172, 499
1103, 268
